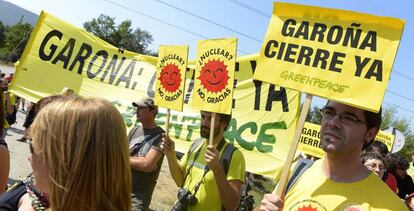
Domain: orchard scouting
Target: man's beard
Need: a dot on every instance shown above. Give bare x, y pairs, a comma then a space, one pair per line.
205, 132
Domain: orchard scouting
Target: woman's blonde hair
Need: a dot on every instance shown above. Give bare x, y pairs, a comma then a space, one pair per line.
84, 144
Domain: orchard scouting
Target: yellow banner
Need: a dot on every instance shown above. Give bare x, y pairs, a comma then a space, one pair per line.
310, 144
340, 55
171, 69
215, 62
60, 55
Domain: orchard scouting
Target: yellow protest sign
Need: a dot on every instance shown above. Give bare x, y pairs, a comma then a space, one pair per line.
215, 62
310, 144
386, 138
60, 55
340, 55
171, 69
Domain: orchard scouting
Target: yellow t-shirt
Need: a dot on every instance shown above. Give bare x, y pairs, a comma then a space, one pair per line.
313, 191
208, 197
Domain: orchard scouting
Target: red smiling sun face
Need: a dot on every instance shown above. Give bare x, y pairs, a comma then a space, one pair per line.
214, 76
170, 77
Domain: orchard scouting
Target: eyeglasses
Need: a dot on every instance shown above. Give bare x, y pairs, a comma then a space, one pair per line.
374, 166
348, 119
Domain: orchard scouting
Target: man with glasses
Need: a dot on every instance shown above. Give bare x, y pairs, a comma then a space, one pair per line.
145, 154
340, 181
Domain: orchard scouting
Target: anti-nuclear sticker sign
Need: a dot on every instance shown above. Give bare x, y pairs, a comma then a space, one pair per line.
340, 55
213, 88
171, 69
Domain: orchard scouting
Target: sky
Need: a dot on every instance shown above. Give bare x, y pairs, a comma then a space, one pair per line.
182, 22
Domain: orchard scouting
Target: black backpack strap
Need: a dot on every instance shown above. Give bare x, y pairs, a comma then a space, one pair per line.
300, 168
225, 158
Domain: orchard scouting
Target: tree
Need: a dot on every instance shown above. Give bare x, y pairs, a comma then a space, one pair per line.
2, 35
16, 37
122, 35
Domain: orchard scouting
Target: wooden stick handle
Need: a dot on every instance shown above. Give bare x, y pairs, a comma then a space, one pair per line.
167, 124
212, 126
280, 188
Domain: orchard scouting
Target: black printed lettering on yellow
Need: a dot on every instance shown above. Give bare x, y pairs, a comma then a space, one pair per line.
310, 141
93, 62
51, 50
112, 69
215, 51
374, 69
334, 35
171, 57
300, 54
311, 132
220, 97
127, 74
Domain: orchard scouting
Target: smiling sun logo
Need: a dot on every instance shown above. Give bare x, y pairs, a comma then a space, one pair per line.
170, 77
214, 76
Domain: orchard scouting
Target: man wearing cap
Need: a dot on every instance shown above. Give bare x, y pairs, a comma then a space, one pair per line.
145, 154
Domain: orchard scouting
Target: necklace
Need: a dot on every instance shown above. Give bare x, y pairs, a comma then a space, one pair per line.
38, 200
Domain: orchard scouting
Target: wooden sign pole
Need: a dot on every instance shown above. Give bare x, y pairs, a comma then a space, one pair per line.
280, 188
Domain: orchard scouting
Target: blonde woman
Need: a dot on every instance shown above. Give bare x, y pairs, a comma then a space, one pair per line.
79, 156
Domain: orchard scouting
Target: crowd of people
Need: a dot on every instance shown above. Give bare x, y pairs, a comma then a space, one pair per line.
83, 159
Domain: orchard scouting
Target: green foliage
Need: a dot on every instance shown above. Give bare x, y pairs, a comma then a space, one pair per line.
15, 39
2, 35
314, 115
122, 35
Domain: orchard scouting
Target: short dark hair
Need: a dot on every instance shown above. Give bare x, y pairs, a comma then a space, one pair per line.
373, 119
396, 161
225, 118
371, 155
383, 149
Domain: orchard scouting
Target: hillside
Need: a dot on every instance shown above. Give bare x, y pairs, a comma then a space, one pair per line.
10, 14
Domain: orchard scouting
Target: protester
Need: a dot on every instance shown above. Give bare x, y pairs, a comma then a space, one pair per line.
4, 152
79, 156
382, 149
212, 189
340, 181
398, 166
34, 110
145, 154
374, 162
31, 114
12, 199
9, 101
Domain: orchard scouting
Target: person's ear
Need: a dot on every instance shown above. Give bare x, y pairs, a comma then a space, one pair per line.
370, 135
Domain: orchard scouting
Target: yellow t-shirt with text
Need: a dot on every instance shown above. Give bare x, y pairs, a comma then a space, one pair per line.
313, 191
